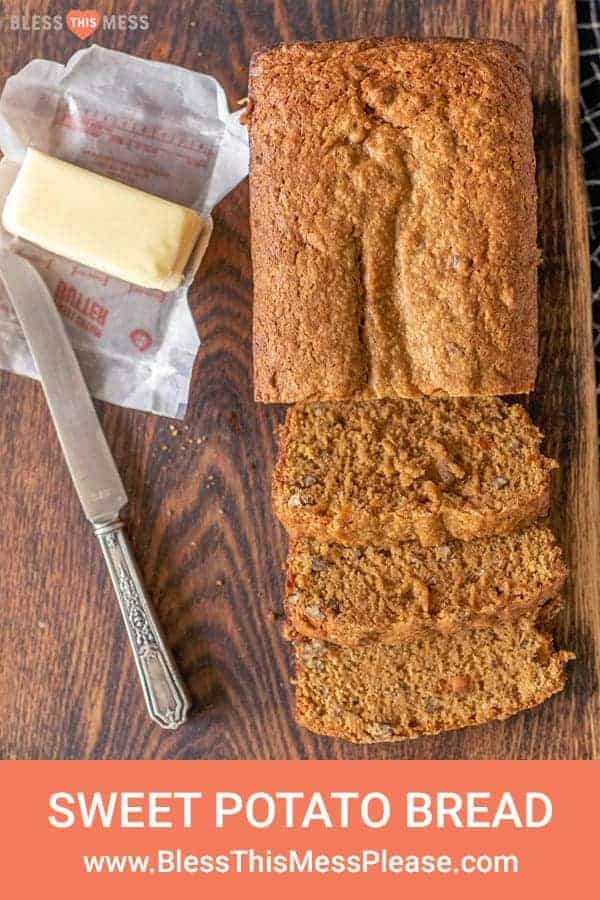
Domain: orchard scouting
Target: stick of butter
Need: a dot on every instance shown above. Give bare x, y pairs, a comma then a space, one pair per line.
101, 223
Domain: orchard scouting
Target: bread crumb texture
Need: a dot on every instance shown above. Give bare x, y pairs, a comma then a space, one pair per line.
393, 215
357, 595
434, 683
389, 471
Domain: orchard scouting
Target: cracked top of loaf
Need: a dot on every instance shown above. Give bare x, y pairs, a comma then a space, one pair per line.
393, 215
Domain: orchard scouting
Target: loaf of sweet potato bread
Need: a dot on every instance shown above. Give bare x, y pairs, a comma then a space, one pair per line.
431, 684
382, 472
356, 595
393, 218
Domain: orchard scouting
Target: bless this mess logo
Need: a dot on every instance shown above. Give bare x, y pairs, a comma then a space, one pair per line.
81, 22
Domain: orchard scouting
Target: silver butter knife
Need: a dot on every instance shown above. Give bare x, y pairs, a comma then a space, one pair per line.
96, 481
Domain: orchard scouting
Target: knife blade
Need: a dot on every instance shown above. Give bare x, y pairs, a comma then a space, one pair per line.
97, 482
93, 470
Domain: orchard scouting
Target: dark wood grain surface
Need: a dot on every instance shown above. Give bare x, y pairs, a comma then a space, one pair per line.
201, 521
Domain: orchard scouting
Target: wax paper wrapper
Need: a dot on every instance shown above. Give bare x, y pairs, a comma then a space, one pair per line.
152, 125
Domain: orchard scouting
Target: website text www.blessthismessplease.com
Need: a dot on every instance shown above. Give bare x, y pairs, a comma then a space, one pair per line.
247, 861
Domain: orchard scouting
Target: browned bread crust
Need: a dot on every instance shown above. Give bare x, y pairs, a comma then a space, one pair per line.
431, 684
356, 595
386, 471
393, 215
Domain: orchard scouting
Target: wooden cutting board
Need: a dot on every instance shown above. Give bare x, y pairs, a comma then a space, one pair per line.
200, 513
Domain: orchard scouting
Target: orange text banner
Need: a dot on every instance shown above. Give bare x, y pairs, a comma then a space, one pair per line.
298, 829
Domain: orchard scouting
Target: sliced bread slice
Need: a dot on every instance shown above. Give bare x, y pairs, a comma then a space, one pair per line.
386, 471
355, 595
434, 683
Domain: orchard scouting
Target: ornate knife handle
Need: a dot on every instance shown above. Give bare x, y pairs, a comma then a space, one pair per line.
166, 697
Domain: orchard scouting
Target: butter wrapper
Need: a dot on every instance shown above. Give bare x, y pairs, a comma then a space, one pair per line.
158, 127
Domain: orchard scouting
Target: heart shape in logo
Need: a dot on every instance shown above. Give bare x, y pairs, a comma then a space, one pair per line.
83, 22
140, 339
